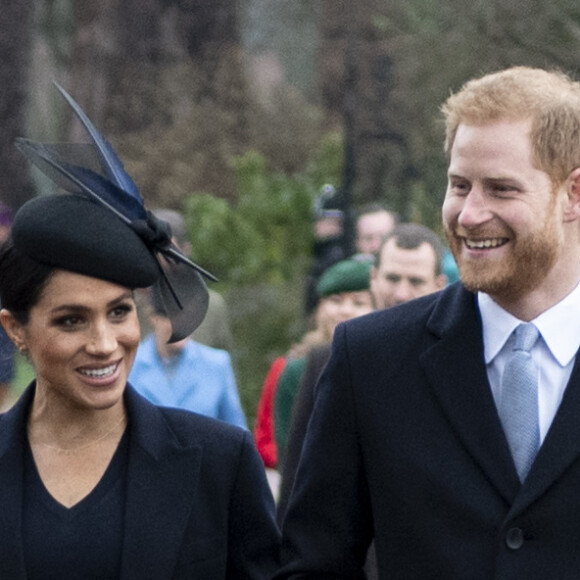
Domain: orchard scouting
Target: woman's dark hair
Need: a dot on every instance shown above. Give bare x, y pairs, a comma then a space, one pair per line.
22, 280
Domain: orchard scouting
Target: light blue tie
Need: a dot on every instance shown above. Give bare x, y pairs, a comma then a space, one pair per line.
518, 409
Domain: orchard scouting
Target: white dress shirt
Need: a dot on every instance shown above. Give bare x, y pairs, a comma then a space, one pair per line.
554, 352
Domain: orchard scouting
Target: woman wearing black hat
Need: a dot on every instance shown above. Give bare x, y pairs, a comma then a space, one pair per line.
97, 482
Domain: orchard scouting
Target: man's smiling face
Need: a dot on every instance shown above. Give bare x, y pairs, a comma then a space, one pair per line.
500, 213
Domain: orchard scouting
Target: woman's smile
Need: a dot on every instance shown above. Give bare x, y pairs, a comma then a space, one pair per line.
101, 376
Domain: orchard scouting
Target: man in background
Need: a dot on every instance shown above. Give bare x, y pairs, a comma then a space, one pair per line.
373, 223
408, 265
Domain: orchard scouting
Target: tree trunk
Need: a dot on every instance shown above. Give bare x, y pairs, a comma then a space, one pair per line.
16, 19
356, 83
92, 58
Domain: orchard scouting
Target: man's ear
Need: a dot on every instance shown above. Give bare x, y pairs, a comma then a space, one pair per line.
13, 328
572, 202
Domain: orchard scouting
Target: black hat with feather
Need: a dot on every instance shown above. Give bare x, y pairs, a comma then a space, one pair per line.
101, 228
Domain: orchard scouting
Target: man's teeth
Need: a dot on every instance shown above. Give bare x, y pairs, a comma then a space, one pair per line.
99, 373
490, 243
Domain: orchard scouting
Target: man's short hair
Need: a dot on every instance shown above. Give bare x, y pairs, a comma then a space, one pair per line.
550, 99
409, 237
376, 207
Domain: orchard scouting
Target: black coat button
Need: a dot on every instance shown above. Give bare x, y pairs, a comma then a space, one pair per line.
514, 538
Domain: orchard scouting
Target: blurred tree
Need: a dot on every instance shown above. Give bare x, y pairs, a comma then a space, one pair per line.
179, 102
93, 47
16, 21
137, 96
259, 247
356, 77
163, 79
280, 39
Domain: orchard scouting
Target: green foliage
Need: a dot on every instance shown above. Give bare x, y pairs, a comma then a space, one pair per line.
265, 320
259, 247
326, 163
425, 207
261, 237
24, 374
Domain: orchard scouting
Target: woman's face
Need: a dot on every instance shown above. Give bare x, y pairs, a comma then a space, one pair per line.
337, 308
81, 337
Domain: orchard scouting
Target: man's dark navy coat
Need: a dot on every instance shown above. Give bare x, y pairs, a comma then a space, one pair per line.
197, 502
405, 443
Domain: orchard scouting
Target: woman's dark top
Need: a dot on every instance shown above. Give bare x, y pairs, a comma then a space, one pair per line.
81, 542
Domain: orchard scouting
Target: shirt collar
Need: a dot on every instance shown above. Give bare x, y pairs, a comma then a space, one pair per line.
560, 336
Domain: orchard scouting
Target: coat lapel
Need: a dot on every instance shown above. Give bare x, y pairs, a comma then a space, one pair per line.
561, 446
159, 498
455, 366
12, 441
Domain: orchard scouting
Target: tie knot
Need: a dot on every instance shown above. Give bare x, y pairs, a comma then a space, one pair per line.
525, 336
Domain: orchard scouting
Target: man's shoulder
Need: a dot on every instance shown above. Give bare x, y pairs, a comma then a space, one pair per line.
438, 309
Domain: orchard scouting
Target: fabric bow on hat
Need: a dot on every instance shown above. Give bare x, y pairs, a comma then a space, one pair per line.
93, 170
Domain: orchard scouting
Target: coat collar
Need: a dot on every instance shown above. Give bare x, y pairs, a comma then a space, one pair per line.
158, 496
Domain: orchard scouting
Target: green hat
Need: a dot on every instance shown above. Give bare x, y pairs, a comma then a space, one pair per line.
345, 276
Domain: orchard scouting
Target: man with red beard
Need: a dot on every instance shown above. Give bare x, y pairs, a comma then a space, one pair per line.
410, 442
